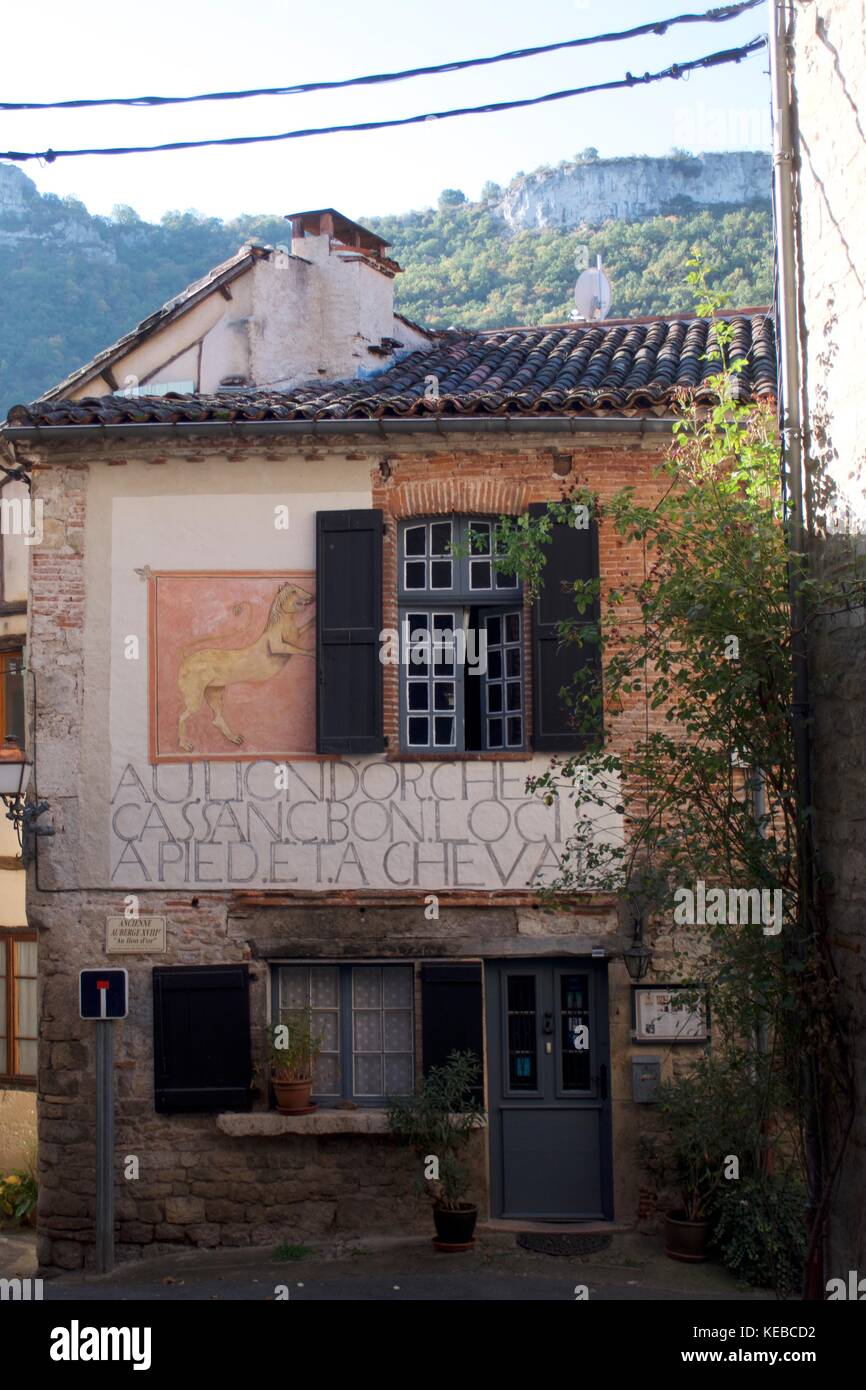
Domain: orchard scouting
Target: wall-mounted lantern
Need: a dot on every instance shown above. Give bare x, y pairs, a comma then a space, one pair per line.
638, 959
638, 956
15, 770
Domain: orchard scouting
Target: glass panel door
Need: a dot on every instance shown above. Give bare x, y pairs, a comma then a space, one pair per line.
575, 1042
522, 1032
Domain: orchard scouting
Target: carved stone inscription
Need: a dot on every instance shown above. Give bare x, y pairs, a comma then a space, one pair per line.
336, 825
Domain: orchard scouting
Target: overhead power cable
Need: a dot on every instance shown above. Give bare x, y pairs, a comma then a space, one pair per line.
676, 70
720, 14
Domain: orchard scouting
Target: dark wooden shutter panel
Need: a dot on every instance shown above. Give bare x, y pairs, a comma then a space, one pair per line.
349, 620
452, 1015
572, 554
201, 1038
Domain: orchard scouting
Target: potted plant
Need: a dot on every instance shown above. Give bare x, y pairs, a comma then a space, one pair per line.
437, 1121
707, 1116
294, 1051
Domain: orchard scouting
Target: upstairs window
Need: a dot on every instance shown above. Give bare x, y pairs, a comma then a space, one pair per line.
462, 677
462, 674
12, 698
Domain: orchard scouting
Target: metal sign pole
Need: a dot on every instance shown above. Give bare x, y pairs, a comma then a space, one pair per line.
104, 1144
103, 995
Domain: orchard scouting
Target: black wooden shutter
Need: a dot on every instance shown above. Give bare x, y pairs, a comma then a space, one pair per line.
452, 1015
572, 554
349, 620
201, 1038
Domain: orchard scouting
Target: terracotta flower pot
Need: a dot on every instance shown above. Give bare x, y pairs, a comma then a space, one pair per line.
454, 1227
686, 1240
292, 1096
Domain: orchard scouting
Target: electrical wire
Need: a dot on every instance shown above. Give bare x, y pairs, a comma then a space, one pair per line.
676, 70
718, 15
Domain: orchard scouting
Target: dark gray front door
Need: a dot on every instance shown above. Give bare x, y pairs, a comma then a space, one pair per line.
549, 1089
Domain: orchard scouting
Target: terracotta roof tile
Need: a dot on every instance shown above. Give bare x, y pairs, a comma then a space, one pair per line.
627, 368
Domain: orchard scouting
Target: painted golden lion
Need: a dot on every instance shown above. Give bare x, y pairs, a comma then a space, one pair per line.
204, 676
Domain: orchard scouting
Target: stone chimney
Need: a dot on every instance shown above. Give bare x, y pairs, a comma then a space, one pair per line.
325, 312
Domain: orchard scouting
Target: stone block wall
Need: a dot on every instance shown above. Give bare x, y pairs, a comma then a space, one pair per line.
829, 91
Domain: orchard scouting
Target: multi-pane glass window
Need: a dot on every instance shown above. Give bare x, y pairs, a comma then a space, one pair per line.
365, 1017
18, 1025
461, 639
315, 987
504, 681
431, 679
12, 698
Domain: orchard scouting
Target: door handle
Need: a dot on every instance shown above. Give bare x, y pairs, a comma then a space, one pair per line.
602, 1082
548, 1023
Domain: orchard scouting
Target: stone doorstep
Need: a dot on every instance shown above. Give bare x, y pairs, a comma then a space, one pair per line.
268, 1123
498, 1226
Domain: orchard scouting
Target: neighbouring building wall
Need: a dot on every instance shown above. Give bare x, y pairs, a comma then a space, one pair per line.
17, 1131
17, 1100
189, 837
829, 89
318, 314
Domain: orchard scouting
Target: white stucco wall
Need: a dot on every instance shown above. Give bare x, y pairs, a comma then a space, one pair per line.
158, 357
14, 547
830, 78
302, 317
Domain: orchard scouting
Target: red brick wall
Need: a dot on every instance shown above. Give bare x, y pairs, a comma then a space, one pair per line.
497, 481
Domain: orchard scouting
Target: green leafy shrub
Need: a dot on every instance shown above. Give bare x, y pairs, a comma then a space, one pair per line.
706, 1114
18, 1196
760, 1230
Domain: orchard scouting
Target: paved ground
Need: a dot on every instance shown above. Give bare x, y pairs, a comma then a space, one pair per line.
392, 1269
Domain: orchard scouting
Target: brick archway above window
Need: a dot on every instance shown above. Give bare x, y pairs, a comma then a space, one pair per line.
442, 496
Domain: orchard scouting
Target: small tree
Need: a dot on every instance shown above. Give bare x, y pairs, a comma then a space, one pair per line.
437, 1122
700, 645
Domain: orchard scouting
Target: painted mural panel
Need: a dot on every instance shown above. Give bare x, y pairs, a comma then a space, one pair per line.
232, 665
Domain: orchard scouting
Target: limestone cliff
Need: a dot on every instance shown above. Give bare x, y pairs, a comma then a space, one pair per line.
593, 191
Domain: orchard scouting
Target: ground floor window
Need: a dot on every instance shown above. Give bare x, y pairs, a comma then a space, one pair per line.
364, 1015
18, 1031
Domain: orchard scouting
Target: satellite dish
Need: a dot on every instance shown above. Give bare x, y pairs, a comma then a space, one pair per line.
592, 294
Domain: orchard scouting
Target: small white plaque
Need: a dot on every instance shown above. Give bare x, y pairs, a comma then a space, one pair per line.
130, 935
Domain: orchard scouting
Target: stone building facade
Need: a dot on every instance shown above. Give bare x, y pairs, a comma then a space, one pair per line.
327, 831
827, 71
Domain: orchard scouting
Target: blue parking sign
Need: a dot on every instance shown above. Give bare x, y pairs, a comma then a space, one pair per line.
103, 993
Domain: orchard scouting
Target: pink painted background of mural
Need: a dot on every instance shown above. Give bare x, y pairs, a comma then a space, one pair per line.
276, 716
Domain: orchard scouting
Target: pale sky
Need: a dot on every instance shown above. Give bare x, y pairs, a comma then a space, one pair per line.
178, 47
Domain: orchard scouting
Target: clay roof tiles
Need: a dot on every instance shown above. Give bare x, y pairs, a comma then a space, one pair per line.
627, 367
